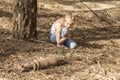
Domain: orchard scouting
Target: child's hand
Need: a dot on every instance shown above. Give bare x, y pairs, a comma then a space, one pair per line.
59, 45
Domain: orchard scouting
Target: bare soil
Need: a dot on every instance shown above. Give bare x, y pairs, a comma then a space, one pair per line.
97, 56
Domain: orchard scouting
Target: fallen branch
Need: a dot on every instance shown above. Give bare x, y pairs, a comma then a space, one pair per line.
100, 66
43, 63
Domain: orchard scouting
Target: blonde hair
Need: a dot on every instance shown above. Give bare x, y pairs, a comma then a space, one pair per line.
70, 16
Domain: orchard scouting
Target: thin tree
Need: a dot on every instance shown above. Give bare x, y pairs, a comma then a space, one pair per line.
24, 19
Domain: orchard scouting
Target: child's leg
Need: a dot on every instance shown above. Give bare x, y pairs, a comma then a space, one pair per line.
52, 37
70, 43
63, 32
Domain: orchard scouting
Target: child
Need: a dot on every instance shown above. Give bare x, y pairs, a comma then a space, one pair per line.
59, 32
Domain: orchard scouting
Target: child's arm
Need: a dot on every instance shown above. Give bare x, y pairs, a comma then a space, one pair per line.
58, 32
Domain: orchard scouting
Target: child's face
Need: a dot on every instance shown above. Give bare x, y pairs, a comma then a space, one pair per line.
68, 22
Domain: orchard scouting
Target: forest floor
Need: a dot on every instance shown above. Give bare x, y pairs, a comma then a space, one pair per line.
97, 56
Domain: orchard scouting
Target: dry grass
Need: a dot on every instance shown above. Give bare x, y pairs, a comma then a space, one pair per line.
95, 58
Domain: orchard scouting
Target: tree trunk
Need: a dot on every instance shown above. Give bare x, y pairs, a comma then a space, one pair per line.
25, 19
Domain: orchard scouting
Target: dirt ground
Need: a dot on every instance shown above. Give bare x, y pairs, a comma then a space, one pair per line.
97, 56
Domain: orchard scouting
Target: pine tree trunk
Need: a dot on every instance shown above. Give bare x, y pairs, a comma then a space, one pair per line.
25, 19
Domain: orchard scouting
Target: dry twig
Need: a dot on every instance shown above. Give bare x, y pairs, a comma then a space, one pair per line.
100, 66
97, 14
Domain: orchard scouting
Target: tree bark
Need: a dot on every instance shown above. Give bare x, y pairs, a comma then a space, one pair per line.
25, 19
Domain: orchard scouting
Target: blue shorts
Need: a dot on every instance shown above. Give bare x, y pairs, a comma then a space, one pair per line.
68, 42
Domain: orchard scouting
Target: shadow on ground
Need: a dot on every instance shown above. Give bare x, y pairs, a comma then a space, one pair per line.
83, 36
5, 14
